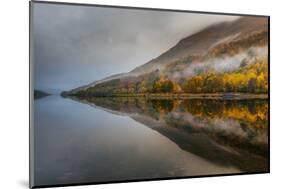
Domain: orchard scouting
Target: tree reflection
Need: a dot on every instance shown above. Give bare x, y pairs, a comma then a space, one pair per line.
228, 132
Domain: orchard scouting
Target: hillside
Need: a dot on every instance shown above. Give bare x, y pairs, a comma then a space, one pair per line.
226, 57
40, 94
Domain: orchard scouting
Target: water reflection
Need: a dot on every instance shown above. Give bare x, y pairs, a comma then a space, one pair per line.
117, 139
225, 132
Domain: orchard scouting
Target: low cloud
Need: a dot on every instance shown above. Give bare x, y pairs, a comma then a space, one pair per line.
76, 45
223, 64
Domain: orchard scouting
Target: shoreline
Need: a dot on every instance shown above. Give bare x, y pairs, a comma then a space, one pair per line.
223, 96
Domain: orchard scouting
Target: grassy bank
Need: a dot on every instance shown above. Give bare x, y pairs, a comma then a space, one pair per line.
186, 95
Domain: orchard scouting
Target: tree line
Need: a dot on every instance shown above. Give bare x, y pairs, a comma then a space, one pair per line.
251, 78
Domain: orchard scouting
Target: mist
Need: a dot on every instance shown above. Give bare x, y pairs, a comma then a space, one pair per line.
76, 45
222, 64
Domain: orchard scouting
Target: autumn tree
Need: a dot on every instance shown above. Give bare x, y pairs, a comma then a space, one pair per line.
193, 85
163, 85
252, 85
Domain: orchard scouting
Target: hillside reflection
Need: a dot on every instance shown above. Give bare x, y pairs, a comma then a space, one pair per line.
225, 132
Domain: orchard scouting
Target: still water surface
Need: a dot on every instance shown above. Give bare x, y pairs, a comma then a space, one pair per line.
113, 139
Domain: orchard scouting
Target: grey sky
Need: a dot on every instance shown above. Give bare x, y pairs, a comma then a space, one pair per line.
75, 45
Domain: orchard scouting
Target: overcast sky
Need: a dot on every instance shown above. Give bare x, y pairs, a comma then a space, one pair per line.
76, 45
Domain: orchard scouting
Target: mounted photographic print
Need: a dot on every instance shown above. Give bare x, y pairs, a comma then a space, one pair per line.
121, 94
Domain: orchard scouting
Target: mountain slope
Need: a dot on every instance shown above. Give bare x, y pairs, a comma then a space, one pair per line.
232, 55
199, 43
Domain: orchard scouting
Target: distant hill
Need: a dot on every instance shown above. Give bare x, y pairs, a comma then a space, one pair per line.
40, 94
226, 57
